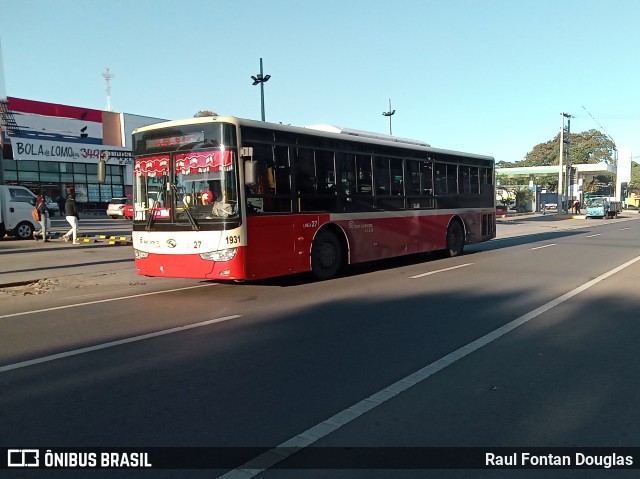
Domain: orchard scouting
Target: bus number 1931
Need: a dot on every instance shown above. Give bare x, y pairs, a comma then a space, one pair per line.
233, 239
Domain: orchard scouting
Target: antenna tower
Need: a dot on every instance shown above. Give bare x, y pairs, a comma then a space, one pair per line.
107, 77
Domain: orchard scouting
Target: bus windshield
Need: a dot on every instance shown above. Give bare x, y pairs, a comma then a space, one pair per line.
206, 185
594, 202
191, 180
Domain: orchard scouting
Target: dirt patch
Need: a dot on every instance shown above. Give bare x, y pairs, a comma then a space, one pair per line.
36, 287
49, 285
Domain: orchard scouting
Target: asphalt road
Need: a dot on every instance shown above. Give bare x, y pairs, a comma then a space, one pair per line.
526, 341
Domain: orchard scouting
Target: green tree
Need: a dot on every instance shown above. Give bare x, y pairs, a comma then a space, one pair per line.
205, 113
524, 197
543, 154
590, 146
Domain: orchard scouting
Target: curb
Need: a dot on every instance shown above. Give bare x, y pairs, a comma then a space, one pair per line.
110, 240
116, 240
113, 240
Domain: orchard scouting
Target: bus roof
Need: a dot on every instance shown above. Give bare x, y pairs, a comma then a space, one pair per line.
365, 134
319, 130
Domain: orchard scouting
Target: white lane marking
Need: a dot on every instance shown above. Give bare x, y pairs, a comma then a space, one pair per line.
98, 301
440, 271
111, 344
540, 247
622, 229
270, 458
593, 236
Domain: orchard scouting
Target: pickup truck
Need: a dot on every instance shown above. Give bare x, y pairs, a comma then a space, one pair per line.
601, 206
16, 205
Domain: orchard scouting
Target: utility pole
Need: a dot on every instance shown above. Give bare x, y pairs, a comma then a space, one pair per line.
4, 105
389, 114
563, 181
108, 76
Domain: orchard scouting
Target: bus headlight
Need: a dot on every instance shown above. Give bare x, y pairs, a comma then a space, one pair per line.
140, 254
220, 255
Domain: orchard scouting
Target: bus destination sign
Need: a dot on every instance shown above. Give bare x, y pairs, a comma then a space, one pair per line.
175, 140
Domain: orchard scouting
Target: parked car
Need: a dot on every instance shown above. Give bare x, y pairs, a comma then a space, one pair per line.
502, 209
116, 208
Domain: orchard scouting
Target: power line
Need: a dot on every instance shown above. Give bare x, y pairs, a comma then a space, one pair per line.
598, 123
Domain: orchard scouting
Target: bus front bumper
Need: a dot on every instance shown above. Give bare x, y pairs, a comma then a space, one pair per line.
190, 266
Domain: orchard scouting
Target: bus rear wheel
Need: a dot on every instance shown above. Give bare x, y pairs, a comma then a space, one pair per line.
326, 255
455, 239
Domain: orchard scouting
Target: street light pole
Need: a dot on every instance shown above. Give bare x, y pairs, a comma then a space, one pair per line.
389, 114
261, 79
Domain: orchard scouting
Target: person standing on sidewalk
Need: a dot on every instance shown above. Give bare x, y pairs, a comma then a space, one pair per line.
61, 202
71, 213
41, 206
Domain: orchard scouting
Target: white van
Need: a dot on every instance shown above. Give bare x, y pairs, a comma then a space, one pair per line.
16, 205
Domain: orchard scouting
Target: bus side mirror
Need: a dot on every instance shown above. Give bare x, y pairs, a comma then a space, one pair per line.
250, 166
250, 173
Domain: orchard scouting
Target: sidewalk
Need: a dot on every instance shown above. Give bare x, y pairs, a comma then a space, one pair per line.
556, 216
21, 265
29, 261
522, 224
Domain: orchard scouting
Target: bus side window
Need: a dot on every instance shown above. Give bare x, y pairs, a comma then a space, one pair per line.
396, 177
346, 173
325, 172
382, 176
440, 178
475, 180
265, 184
452, 179
271, 193
305, 171
281, 169
412, 178
364, 178
465, 179
427, 178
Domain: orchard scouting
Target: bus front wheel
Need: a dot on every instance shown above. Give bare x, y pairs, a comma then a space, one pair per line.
326, 255
455, 239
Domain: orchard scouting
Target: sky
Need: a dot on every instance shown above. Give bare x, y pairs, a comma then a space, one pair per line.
482, 76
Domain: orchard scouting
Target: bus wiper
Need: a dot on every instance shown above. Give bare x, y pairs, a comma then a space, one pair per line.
192, 220
151, 219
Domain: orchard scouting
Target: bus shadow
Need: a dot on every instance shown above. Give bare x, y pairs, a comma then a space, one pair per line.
500, 243
299, 279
